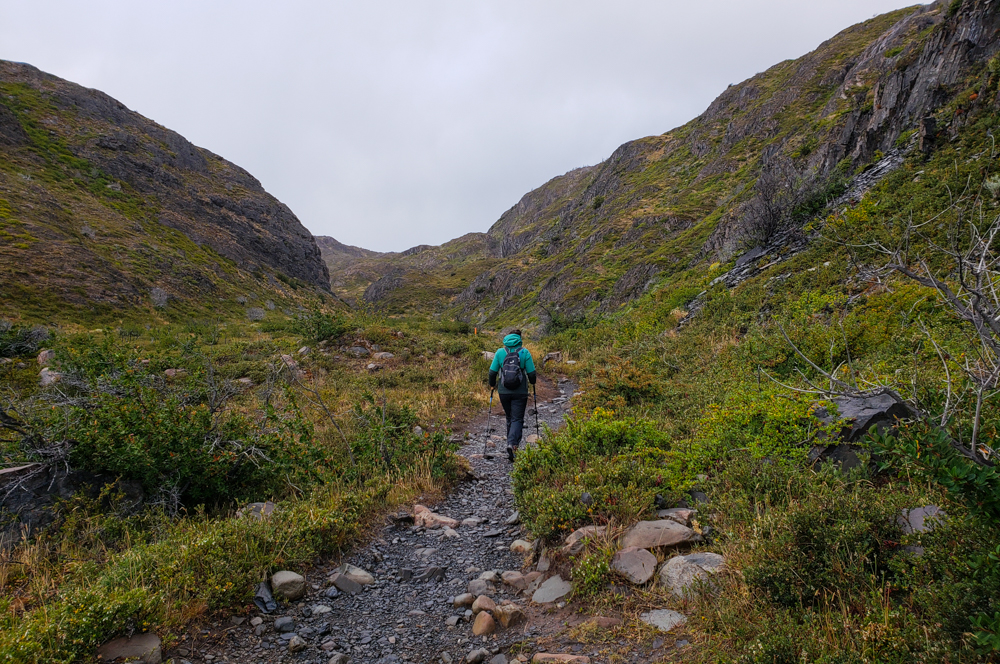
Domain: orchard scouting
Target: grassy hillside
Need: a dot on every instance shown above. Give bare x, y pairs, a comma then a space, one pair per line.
587, 242
103, 212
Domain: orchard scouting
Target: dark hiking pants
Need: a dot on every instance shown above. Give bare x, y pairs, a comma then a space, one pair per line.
514, 406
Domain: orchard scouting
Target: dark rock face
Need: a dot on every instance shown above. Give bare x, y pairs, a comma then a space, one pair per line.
210, 200
28, 495
860, 414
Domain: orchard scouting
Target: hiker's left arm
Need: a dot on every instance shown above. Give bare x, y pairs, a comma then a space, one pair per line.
529, 368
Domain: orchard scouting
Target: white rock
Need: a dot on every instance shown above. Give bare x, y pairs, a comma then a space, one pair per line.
663, 619
680, 573
521, 546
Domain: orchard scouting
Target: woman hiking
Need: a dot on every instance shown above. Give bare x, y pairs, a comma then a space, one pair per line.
515, 368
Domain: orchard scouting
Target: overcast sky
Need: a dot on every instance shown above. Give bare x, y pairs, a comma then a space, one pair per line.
391, 124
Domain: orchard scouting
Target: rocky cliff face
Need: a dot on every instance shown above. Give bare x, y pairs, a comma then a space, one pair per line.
598, 237
90, 193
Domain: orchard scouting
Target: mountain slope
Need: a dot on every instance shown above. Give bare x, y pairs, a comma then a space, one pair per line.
598, 237
99, 206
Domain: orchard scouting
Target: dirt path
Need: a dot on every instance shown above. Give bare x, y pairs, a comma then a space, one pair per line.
402, 616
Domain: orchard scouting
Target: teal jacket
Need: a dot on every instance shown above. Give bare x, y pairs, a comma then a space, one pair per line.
512, 344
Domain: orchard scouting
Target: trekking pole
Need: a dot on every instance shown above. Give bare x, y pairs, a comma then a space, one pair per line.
489, 422
534, 392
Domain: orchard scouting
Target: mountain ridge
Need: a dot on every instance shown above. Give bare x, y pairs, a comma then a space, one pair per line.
593, 239
101, 205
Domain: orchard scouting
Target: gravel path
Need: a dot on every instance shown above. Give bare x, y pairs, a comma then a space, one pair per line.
408, 613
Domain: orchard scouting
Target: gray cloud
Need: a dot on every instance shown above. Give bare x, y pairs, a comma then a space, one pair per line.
389, 124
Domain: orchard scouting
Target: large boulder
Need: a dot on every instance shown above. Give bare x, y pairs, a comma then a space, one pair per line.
857, 416
681, 573
484, 624
636, 565
288, 585
920, 519
655, 534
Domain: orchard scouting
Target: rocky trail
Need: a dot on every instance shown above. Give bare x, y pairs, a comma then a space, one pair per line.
416, 592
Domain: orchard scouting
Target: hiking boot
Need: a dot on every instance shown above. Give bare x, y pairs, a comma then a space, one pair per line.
510, 454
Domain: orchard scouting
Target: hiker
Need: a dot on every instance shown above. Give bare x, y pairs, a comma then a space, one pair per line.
514, 367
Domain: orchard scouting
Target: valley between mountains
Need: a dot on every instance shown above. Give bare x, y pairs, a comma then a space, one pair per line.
769, 364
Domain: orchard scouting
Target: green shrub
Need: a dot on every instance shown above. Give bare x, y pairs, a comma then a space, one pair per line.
321, 326
21, 341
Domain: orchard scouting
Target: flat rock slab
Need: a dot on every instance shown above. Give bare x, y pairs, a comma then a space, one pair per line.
554, 588
664, 619
636, 565
345, 584
653, 534
681, 573
548, 657
575, 540
143, 648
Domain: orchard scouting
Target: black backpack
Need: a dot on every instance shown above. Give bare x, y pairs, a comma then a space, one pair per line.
510, 371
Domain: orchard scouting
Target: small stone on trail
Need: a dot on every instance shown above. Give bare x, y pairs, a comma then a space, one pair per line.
515, 580
284, 624
483, 603
499, 659
297, 644
256, 620
356, 574
490, 576
465, 599
513, 519
478, 587
509, 615
557, 658
288, 585
521, 546
663, 619
448, 533
471, 521
345, 584
339, 658
452, 621
484, 624
477, 656
428, 519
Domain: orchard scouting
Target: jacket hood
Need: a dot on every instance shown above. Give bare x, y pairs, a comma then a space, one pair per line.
512, 341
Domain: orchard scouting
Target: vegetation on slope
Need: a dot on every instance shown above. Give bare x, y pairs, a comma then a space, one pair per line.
154, 543
819, 568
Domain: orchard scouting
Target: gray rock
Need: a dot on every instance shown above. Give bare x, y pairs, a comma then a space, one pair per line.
345, 584
663, 619
681, 515
653, 534
499, 659
862, 413
339, 658
636, 565
142, 648
513, 519
552, 589
478, 587
586, 498
46, 357
257, 511
358, 351
681, 573
478, 656
284, 624
490, 576
256, 620
356, 574
920, 519
49, 377
452, 621
465, 599
288, 585
297, 644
